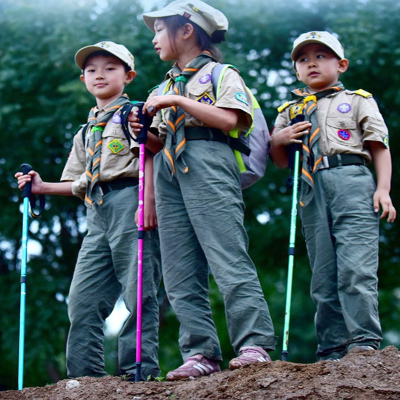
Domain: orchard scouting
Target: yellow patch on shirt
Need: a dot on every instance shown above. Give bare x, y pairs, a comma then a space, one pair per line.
206, 99
296, 110
363, 93
115, 146
282, 107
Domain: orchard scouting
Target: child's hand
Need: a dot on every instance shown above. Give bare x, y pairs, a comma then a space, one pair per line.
158, 102
382, 197
291, 134
150, 219
33, 177
134, 120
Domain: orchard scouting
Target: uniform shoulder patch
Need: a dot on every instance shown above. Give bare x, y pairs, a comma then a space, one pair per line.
362, 92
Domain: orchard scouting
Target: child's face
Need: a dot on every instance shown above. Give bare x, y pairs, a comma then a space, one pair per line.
162, 42
105, 78
318, 67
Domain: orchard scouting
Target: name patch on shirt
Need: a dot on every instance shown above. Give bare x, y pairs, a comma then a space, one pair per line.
344, 134
206, 99
115, 146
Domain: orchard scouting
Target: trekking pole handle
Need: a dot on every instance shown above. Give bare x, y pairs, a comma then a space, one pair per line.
27, 190
145, 120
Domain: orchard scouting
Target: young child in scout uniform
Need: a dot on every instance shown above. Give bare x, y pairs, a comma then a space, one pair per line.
104, 172
198, 194
339, 202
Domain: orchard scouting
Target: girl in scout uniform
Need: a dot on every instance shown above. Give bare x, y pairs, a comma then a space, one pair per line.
107, 180
339, 201
198, 194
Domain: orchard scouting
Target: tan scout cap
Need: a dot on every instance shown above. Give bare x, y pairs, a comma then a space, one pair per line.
322, 37
200, 13
117, 50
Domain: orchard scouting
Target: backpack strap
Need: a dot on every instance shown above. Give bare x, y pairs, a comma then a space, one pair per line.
217, 75
84, 130
163, 87
125, 110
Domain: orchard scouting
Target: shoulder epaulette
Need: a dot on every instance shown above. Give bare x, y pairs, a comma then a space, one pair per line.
283, 106
363, 93
153, 88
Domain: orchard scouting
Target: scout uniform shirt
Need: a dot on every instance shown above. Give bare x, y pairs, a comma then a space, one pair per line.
348, 119
119, 159
232, 95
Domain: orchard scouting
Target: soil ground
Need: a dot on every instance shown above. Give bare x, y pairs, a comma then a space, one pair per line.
373, 375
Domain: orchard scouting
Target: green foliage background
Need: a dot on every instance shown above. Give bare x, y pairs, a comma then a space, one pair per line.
42, 101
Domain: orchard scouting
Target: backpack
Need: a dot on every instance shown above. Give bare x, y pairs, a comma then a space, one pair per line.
251, 148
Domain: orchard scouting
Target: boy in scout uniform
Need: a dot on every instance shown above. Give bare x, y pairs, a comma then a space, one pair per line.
104, 172
339, 202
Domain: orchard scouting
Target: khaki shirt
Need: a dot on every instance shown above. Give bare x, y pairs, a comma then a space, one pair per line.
200, 88
118, 158
347, 122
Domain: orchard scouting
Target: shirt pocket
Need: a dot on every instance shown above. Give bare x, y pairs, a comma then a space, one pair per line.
115, 143
202, 92
342, 131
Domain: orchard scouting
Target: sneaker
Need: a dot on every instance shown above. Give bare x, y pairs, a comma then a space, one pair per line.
359, 349
249, 355
195, 366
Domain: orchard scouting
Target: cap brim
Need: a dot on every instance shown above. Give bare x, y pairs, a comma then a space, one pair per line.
150, 18
296, 50
84, 53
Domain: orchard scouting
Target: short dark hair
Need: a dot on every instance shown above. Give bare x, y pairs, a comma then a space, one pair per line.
105, 54
204, 41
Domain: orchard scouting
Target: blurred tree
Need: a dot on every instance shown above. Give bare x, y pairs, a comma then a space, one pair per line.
43, 102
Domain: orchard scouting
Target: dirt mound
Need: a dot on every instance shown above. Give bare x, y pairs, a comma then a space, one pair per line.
373, 375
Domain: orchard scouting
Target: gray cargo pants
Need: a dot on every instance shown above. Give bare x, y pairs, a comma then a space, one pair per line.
107, 268
342, 236
200, 217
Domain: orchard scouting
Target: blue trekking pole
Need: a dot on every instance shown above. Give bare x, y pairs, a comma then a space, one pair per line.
26, 193
292, 240
28, 198
142, 139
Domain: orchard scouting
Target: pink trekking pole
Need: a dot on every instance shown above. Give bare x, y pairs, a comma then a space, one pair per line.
145, 120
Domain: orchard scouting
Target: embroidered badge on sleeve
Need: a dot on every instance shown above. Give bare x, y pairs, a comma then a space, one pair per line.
241, 97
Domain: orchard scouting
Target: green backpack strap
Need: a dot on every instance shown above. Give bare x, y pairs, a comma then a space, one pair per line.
253, 162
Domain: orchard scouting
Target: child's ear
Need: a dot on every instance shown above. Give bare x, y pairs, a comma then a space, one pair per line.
82, 78
188, 31
129, 77
343, 65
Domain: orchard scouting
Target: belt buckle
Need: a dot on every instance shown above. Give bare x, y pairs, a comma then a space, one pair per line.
325, 161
